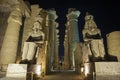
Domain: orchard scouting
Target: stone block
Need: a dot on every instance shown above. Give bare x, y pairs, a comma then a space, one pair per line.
107, 70
16, 71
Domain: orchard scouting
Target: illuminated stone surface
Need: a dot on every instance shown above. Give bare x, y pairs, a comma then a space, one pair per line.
47, 53
66, 62
51, 23
73, 37
56, 42
113, 44
16, 71
92, 35
10, 42
63, 76
107, 70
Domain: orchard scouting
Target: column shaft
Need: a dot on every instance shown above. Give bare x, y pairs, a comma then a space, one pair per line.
73, 33
10, 43
51, 24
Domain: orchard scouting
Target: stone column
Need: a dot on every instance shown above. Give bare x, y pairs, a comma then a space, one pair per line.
51, 17
66, 53
10, 43
72, 23
56, 62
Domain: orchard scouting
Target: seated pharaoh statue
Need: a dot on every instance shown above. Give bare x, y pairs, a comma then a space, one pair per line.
92, 35
35, 39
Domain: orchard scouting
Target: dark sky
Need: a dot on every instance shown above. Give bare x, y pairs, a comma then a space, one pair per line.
106, 13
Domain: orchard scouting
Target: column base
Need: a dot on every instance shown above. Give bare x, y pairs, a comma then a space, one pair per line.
4, 67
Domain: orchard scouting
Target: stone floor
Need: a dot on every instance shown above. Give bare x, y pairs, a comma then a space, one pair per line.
63, 75
59, 75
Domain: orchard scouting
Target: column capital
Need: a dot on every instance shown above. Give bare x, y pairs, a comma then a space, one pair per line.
16, 15
73, 15
51, 15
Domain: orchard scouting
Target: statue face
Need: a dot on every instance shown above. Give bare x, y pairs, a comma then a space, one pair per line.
91, 28
37, 26
89, 17
35, 30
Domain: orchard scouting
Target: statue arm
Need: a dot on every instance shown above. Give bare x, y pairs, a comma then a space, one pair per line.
43, 36
29, 34
83, 32
84, 35
99, 32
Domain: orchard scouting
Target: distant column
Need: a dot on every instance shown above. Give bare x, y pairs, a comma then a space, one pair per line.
10, 43
72, 22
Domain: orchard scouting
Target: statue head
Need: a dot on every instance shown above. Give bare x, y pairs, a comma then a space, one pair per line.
88, 16
38, 18
89, 22
36, 27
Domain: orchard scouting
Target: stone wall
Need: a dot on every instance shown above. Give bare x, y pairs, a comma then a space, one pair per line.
113, 44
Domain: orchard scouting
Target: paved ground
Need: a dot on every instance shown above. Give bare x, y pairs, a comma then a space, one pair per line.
63, 76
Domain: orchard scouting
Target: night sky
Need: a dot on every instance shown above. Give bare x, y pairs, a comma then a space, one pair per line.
106, 14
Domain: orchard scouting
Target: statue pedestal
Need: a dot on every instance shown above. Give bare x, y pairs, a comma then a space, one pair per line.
17, 71
107, 70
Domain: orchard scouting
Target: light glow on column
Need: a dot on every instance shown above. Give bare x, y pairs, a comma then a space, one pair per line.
38, 70
86, 69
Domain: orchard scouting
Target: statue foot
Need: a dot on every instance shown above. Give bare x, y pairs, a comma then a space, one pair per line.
24, 61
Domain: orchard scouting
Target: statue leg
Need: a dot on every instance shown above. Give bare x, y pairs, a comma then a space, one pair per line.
85, 53
102, 50
95, 48
31, 51
25, 50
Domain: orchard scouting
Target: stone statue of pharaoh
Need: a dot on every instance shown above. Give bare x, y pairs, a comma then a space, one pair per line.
35, 38
92, 35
